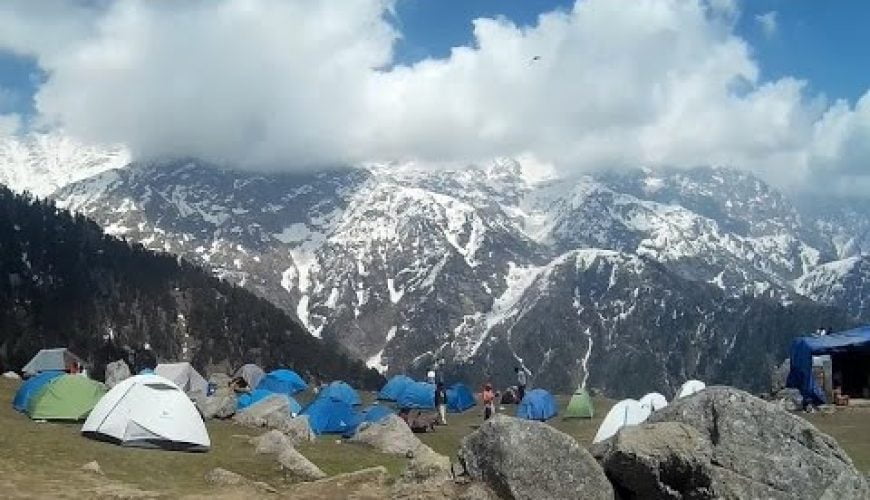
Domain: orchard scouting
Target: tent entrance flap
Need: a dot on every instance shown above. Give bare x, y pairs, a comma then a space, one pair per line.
851, 373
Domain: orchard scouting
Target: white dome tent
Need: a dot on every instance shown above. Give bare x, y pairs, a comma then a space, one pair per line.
654, 401
625, 412
690, 387
148, 411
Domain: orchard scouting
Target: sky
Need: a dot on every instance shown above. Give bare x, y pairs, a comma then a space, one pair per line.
778, 87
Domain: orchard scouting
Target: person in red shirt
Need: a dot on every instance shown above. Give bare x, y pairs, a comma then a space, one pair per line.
488, 397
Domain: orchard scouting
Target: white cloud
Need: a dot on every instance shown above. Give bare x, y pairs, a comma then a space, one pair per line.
10, 124
294, 84
768, 23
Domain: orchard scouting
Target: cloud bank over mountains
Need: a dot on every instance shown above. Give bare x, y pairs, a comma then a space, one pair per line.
295, 84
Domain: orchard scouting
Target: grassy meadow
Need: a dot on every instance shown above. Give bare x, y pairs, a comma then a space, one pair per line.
43, 460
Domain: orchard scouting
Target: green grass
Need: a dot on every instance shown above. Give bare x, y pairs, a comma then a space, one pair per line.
851, 428
35, 454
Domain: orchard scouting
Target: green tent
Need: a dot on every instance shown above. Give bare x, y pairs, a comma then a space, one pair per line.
580, 405
68, 397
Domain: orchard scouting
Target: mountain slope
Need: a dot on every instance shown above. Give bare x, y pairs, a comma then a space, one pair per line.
403, 264
43, 163
620, 322
64, 282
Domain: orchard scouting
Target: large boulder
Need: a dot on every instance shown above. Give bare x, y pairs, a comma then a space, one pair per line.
390, 435
297, 467
297, 428
255, 416
116, 372
758, 450
526, 459
272, 442
661, 460
222, 404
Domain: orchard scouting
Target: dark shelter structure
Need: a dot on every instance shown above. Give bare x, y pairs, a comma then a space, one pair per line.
850, 358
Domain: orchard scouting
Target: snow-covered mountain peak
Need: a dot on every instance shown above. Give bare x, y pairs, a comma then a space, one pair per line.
42, 163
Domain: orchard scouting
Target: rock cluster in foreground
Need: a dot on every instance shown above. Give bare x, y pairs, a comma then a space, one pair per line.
718, 443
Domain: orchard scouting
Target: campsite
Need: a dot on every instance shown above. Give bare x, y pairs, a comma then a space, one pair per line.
40, 457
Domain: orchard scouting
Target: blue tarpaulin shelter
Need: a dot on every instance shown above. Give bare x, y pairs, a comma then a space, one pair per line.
283, 381
342, 391
417, 396
29, 388
800, 375
459, 398
537, 404
394, 387
328, 415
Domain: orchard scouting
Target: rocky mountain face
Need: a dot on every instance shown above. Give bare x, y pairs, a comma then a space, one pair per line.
63, 282
630, 282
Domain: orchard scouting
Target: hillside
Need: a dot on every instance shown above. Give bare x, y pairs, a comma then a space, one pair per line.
64, 282
666, 274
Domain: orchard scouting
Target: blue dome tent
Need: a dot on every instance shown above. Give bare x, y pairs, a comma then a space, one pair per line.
328, 415
459, 398
394, 387
800, 375
32, 386
538, 404
374, 413
252, 398
417, 396
283, 381
341, 391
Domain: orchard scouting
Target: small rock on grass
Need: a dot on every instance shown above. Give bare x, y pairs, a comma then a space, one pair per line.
93, 467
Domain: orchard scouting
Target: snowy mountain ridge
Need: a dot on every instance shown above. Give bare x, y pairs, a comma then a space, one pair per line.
403, 265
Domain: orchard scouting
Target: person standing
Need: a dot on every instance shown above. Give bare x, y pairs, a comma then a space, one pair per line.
488, 397
441, 403
521, 383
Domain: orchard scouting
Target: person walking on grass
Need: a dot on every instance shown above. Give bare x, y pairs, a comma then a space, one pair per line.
488, 397
441, 403
521, 383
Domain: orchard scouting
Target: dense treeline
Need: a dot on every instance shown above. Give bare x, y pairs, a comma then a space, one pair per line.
63, 282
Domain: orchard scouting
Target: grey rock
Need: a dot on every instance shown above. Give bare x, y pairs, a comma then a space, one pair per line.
93, 467
223, 477
116, 371
779, 375
788, 399
296, 466
297, 429
762, 451
255, 416
523, 459
426, 464
11, 376
361, 484
272, 442
662, 460
222, 404
391, 435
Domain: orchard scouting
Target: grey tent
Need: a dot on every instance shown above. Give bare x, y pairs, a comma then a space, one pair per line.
59, 358
185, 377
252, 374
